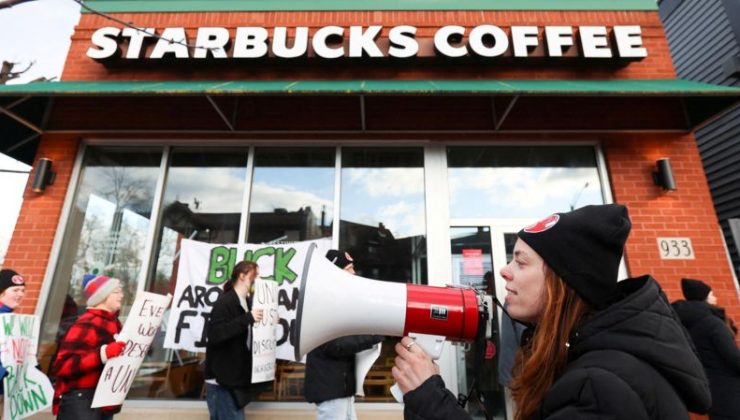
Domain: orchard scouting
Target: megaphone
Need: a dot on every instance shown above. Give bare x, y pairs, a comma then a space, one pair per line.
334, 303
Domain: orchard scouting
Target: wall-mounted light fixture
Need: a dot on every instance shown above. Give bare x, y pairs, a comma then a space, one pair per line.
44, 176
663, 175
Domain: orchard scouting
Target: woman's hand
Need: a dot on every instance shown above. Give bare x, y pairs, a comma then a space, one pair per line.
413, 366
257, 314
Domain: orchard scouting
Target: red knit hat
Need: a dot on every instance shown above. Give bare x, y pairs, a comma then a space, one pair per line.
97, 288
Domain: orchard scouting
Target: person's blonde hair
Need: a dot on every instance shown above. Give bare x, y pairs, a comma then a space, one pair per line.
541, 361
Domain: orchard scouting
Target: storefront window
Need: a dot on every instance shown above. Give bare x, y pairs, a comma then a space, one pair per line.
382, 225
202, 201
106, 232
292, 199
521, 181
292, 196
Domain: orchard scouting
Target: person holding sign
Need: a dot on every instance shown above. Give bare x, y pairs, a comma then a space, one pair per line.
83, 351
228, 369
12, 290
330, 368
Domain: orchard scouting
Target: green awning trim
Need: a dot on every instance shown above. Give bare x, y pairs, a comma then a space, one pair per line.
112, 6
669, 87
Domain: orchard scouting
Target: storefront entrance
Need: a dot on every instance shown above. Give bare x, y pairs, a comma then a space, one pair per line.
480, 248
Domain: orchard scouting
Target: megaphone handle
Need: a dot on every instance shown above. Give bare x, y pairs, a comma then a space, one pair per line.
397, 393
432, 345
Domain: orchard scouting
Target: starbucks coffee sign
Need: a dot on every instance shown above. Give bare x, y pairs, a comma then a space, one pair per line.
618, 43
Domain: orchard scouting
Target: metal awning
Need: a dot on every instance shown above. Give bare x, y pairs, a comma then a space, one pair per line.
27, 111
663, 87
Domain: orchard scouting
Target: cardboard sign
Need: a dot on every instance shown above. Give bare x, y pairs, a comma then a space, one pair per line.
141, 325
264, 341
27, 389
204, 268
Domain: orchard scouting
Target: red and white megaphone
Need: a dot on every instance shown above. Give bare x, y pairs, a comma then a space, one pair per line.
334, 303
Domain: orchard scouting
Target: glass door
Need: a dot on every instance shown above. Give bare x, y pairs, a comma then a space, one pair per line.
479, 251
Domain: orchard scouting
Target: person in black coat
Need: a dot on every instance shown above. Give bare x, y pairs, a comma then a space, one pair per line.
330, 368
598, 349
228, 370
715, 343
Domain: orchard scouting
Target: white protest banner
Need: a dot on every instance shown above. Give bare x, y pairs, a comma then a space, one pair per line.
204, 268
263, 333
138, 332
27, 389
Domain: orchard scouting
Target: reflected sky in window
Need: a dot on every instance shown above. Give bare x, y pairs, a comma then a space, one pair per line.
211, 190
522, 192
392, 196
292, 189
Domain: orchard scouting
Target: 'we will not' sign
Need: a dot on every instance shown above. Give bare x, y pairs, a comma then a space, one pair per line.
27, 389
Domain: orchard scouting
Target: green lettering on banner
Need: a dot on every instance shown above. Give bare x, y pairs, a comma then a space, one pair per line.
282, 271
39, 398
8, 322
221, 264
253, 256
11, 381
26, 324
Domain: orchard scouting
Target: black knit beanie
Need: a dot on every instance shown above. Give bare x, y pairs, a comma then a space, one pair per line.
9, 278
340, 258
583, 247
695, 289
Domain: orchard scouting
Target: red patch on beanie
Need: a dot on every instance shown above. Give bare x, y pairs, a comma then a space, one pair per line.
543, 225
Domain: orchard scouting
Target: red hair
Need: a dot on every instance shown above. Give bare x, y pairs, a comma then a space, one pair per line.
540, 362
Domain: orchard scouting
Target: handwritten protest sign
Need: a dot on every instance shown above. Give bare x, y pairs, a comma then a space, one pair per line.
204, 268
138, 333
27, 390
263, 333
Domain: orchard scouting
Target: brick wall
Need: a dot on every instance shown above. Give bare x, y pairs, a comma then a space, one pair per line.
686, 212
30, 247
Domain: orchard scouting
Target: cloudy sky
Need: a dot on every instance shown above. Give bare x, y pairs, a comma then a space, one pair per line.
38, 31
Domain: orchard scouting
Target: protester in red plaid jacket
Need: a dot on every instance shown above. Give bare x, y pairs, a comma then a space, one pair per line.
83, 351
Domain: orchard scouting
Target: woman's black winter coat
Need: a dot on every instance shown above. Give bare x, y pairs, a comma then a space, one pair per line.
330, 368
630, 361
228, 359
718, 353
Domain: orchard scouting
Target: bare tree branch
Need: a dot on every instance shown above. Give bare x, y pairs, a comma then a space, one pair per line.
4, 4
7, 73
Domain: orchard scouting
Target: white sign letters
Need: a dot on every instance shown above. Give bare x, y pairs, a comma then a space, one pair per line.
333, 42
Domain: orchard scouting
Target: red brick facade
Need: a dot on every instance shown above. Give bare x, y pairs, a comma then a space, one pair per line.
30, 248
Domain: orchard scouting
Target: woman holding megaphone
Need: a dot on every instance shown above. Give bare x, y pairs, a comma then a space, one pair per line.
596, 349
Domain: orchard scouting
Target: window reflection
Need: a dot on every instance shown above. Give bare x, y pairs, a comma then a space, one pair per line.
521, 181
472, 265
382, 215
292, 196
106, 232
292, 199
202, 201
383, 227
